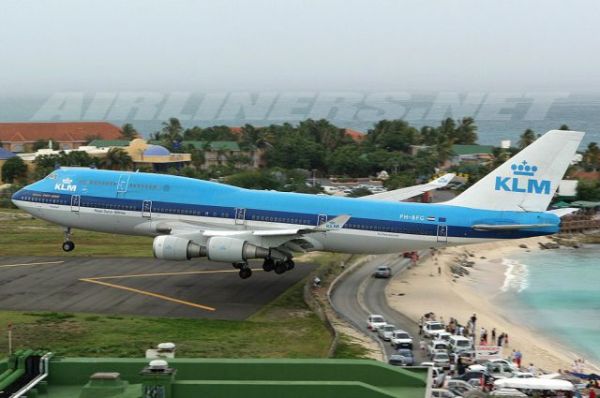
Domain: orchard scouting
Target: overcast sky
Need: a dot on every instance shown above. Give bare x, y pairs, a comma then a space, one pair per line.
520, 45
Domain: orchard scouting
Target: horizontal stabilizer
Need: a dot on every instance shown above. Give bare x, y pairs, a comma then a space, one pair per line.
508, 227
563, 212
400, 194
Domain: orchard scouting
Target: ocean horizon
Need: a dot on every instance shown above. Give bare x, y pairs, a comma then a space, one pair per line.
578, 111
557, 293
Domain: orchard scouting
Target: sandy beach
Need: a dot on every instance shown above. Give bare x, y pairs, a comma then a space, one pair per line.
423, 289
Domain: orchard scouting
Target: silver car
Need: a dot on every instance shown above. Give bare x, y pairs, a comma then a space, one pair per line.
385, 332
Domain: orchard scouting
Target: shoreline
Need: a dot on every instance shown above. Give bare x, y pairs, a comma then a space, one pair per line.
423, 289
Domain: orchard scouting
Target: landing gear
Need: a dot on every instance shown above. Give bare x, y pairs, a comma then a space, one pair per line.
245, 270
283, 266
68, 244
268, 265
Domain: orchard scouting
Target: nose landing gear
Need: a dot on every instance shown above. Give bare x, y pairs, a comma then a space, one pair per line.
68, 244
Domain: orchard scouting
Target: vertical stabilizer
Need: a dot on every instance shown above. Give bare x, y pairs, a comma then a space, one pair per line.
528, 180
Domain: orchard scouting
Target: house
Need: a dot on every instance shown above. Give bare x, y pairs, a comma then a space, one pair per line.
472, 153
218, 153
20, 137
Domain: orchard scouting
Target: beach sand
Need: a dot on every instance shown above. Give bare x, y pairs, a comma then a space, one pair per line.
421, 289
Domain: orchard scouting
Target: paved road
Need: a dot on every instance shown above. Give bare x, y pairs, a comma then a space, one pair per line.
358, 295
138, 286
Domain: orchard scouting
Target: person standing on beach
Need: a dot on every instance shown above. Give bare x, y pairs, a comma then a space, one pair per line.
493, 335
518, 358
500, 339
506, 339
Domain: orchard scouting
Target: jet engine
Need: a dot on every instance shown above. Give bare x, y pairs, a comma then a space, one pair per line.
218, 248
167, 247
233, 250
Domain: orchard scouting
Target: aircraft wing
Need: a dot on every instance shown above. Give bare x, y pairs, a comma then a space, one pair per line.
405, 193
264, 237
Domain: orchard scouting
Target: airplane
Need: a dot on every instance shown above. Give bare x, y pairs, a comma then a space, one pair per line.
191, 218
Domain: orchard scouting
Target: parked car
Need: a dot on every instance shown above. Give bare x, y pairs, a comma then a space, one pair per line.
385, 332
397, 360
441, 360
433, 328
442, 393
438, 376
474, 375
459, 387
437, 346
443, 336
468, 356
374, 321
407, 354
401, 339
459, 343
383, 271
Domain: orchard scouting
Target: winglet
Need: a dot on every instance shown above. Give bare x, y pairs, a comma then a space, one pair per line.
335, 223
443, 180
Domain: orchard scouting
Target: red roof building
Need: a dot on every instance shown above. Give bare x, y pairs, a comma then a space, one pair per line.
20, 137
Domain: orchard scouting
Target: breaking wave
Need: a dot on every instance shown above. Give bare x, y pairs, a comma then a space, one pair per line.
516, 276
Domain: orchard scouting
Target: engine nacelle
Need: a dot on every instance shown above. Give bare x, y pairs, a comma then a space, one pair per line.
167, 247
232, 250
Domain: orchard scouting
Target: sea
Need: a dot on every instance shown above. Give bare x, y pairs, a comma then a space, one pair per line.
499, 116
557, 292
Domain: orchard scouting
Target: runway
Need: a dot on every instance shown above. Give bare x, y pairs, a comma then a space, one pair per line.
139, 286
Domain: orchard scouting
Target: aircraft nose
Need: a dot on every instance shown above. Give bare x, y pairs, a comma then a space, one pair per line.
17, 196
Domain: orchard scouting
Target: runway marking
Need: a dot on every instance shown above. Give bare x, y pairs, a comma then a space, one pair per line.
147, 293
20, 265
167, 274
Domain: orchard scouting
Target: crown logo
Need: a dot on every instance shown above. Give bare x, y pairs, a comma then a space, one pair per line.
523, 169
67, 180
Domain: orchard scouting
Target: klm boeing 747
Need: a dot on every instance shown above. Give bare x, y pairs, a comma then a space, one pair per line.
191, 218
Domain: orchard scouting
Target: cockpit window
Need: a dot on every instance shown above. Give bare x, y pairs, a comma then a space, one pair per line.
52, 176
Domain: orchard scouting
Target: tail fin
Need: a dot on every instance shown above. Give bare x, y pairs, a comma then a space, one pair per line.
528, 180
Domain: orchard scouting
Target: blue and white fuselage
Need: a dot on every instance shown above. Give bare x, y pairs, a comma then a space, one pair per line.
278, 222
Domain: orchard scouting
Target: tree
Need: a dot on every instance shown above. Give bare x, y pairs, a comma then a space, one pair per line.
588, 190
393, 135
466, 132
128, 132
116, 159
564, 127
349, 161
253, 179
527, 138
13, 169
39, 144
591, 157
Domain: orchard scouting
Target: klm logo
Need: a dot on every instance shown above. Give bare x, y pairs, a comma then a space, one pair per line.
529, 185
65, 185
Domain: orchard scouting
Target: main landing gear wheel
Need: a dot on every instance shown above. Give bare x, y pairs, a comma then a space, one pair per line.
281, 267
290, 264
68, 246
268, 265
245, 273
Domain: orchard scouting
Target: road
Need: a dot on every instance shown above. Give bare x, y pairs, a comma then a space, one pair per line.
139, 286
358, 294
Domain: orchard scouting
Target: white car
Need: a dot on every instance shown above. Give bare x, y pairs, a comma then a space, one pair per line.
442, 393
385, 332
459, 343
433, 328
374, 322
441, 360
506, 363
401, 339
436, 346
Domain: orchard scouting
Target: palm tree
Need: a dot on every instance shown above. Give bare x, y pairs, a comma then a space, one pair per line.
116, 159
591, 157
128, 132
172, 130
466, 132
527, 138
